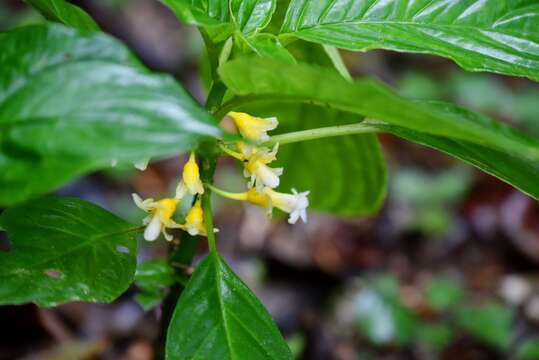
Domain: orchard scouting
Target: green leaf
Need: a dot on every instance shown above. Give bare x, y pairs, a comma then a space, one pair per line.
222, 18
443, 293
65, 249
218, 317
252, 78
153, 278
514, 170
63, 12
436, 335
267, 45
490, 323
251, 16
490, 35
71, 103
154, 274
528, 350
380, 317
355, 180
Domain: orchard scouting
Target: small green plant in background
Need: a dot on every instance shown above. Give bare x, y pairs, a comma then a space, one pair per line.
74, 100
384, 318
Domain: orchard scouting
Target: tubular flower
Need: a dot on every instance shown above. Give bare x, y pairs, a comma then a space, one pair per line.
194, 221
190, 179
253, 128
256, 168
295, 204
159, 218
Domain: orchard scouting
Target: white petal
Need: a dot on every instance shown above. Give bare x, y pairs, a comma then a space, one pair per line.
294, 216
168, 237
152, 230
196, 188
303, 215
272, 123
192, 230
181, 190
268, 176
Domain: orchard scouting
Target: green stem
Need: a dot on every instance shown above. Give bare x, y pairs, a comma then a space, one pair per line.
184, 252
229, 195
208, 220
319, 133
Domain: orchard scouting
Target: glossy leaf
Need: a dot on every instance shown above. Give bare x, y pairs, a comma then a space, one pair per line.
71, 103
514, 170
254, 78
251, 16
268, 46
355, 179
221, 18
65, 249
153, 278
200, 12
489, 35
63, 12
218, 317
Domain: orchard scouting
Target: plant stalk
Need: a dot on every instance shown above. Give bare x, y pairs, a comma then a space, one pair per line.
183, 253
319, 133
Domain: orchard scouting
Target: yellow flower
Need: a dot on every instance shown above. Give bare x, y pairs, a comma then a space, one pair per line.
295, 204
190, 179
253, 128
160, 217
256, 168
194, 221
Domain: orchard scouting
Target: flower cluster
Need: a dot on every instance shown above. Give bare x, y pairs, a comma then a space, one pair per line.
160, 212
263, 179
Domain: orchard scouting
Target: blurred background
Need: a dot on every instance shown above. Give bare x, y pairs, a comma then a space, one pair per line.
448, 269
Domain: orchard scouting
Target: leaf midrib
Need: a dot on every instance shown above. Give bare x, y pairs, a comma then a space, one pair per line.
407, 23
222, 311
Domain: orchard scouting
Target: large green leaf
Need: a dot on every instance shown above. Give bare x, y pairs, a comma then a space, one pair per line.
63, 12
354, 181
71, 103
515, 170
218, 317
65, 249
486, 35
252, 78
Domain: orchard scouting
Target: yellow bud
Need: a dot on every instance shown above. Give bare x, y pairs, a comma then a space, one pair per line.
190, 179
194, 220
253, 128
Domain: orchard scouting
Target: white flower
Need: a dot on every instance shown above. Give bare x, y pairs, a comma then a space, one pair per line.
160, 217
253, 128
295, 204
256, 168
